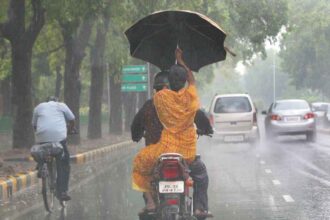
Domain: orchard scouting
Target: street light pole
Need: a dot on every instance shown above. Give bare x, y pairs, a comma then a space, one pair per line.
149, 80
274, 78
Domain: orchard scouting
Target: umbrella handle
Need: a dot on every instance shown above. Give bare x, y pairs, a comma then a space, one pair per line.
177, 46
230, 52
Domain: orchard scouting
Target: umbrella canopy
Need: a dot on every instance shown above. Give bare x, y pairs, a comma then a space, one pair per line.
155, 37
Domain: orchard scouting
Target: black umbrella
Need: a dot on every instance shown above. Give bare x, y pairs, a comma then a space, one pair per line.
155, 37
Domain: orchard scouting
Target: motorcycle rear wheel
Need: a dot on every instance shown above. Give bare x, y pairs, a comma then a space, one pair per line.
170, 216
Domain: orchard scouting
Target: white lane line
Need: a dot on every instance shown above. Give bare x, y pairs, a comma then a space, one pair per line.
307, 163
319, 179
262, 162
320, 148
268, 171
288, 198
276, 182
272, 203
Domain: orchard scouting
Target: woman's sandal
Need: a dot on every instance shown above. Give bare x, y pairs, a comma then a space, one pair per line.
145, 210
203, 214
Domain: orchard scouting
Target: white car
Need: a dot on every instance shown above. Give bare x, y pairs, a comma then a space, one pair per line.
234, 118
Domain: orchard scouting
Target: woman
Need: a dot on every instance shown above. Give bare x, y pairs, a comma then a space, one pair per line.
176, 109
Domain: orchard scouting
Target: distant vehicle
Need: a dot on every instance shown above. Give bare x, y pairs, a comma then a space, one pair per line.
290, 117
234, 118
327, 117
320, 109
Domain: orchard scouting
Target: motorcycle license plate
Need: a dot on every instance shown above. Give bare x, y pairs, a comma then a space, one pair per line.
171, 187
234, 138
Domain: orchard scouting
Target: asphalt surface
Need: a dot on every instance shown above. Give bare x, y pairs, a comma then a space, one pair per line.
287, 178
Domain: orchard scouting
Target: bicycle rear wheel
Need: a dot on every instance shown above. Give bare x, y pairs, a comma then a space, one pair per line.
49, 185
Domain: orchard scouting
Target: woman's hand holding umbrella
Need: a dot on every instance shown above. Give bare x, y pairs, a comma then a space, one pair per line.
190, 75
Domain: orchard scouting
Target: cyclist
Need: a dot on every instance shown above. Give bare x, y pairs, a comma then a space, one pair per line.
50, 121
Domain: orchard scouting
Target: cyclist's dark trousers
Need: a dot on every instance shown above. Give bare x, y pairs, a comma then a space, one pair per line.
63, 170
201, 182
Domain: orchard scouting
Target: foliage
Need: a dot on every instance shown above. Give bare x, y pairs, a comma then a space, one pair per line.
306, 46
258, 82
251, 23
5, 61
226, 80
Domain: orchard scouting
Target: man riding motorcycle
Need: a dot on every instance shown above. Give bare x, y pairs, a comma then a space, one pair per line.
176, 109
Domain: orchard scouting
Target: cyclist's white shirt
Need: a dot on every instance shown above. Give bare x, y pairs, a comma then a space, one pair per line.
50, 118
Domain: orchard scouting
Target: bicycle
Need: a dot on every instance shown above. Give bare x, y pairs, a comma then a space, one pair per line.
45, 155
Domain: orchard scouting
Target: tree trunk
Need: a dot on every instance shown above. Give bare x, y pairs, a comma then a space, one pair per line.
23, 136
96, 89
6, 96
116, 116
22, 39
75, 45
130, 105
59, 78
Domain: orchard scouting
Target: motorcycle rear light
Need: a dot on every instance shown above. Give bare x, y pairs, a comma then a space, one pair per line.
275, 118
309, 116
172, 202
170, 170
189, 183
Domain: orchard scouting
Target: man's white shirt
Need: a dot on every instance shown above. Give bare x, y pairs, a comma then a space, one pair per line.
50, 119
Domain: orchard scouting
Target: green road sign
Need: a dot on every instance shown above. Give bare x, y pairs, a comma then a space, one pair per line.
142, 87
135, 78
134, 69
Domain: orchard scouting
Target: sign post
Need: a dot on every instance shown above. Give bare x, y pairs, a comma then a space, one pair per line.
135, 79
134, 69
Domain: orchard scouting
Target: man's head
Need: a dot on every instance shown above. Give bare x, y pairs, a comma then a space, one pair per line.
52, 98
177, 77
161, 80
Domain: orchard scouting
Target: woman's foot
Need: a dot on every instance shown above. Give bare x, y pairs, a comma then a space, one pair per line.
150, 206
203, 214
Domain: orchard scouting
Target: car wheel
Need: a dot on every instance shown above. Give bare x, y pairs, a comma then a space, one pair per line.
311, 136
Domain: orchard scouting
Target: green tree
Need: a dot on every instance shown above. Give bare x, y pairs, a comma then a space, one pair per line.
306, 46
76, 19
98, 67
21, 28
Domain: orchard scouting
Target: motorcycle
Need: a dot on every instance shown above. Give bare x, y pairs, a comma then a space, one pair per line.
172, 190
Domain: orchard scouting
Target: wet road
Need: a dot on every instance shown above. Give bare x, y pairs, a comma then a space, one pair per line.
286, 179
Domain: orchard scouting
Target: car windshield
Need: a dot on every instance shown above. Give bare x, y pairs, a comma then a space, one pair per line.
290, 105
232, 105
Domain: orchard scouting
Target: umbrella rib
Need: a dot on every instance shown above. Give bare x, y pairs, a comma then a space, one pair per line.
193, 29
144, 39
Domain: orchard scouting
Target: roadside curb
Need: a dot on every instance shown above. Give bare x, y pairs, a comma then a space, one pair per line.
22, 181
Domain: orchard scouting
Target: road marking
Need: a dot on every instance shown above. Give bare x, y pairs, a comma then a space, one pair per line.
288, 198
276, 182
268, 171
319, 179
262, 162
320, 148
307, 163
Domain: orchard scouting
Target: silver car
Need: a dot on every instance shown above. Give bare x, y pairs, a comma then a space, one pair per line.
290, 117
